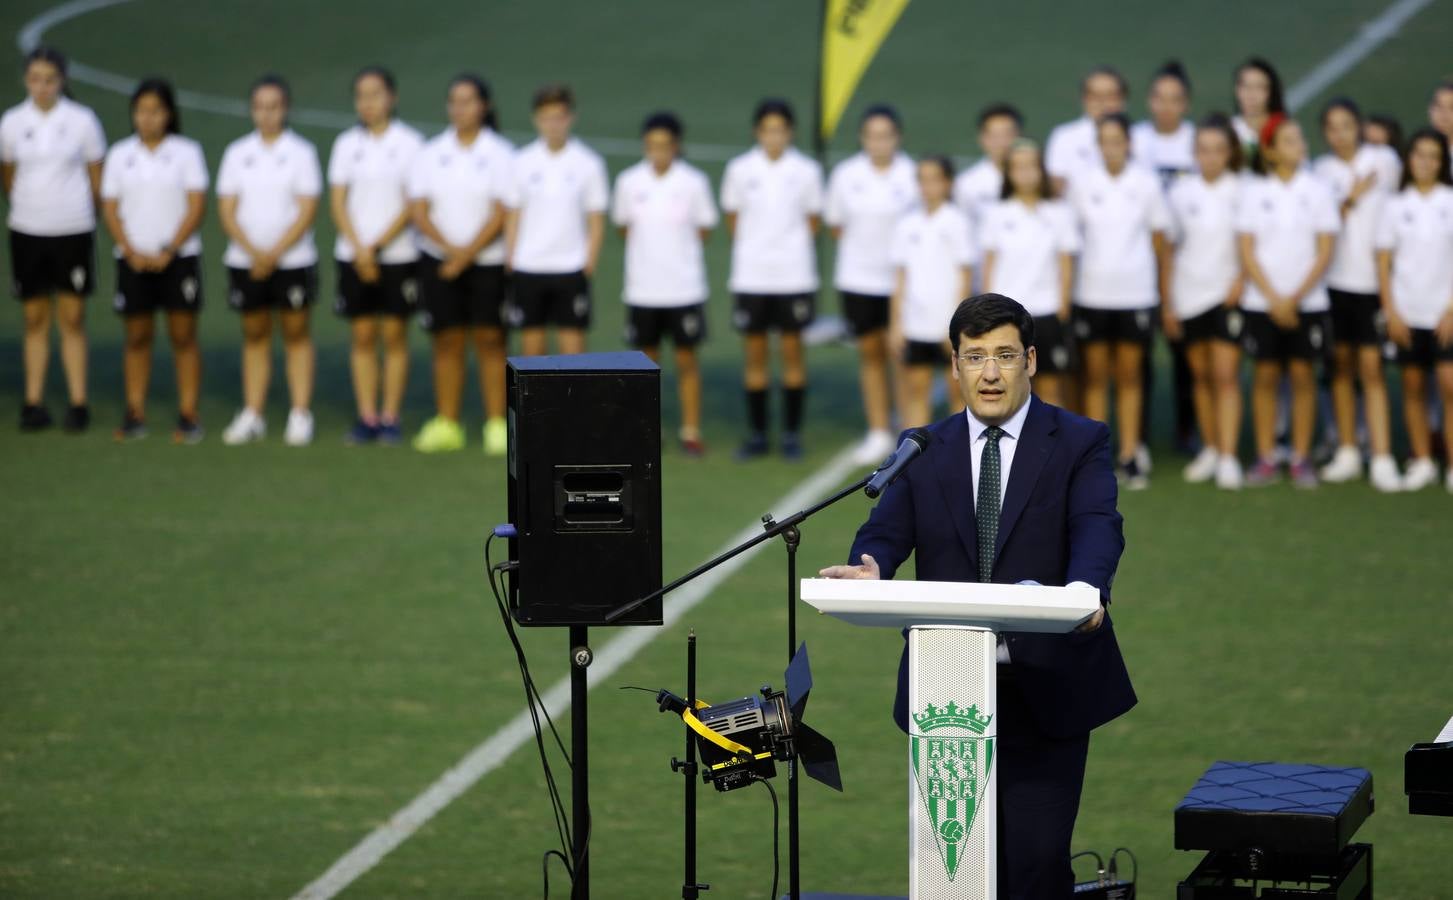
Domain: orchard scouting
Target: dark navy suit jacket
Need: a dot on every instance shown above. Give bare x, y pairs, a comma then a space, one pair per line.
1058, 524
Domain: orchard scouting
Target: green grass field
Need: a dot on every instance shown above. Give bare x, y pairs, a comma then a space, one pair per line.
221, 667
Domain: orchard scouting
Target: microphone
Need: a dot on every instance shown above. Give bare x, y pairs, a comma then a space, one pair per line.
914, 443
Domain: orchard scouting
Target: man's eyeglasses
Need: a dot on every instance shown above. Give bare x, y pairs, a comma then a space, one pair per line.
976, 361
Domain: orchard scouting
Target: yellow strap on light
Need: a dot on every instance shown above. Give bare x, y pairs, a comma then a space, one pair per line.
696, 725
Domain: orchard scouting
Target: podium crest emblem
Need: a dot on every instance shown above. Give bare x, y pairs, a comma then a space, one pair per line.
950, 771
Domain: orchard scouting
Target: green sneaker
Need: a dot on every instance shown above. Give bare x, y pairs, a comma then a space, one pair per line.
439, 435
496, 437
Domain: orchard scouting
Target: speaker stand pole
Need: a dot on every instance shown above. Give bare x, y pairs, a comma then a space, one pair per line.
580, 658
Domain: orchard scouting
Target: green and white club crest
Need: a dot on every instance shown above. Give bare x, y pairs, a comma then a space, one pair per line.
951, 773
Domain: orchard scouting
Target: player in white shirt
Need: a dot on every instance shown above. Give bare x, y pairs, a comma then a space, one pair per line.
1383, 130
459, 186
1122, 212
1029, 241
1166, 141
1075, 146
153, 197
867, 194
933, 257
375, 252
1201, 292
1258, 96
267, 197
555, 226
1287, 225
772, 197
1362, 177
664, 209
1440, 108
50, 169
1415, 279
981, 185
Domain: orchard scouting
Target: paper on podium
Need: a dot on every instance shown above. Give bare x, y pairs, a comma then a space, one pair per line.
1000, 607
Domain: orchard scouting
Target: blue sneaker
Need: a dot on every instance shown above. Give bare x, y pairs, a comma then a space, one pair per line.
753, 447
361, 433
791, 446
390, 435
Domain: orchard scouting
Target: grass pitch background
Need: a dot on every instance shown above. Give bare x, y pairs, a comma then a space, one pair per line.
221, 667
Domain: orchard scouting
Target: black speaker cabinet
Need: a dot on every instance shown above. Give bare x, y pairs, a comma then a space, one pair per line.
584, 487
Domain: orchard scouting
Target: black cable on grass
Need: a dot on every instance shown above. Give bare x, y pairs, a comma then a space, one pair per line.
536, 704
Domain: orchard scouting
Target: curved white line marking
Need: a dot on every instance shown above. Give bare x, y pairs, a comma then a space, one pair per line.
33, 32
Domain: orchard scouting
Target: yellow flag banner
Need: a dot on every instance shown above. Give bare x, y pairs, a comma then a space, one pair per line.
852, 32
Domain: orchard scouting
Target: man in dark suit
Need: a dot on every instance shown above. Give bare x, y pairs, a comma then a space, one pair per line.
1016, 490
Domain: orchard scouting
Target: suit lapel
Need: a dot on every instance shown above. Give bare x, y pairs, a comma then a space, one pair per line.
953, 465
1030, 455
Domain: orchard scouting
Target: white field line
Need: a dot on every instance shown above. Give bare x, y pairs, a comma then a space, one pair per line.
620, 649
1372, 36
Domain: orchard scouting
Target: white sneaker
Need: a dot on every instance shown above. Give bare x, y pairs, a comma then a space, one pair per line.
1228, 473
1420, 474
299, 432
1142, 459
1448, 480
1383, 473
873, 449
1203, 467
246, 426
1346, 465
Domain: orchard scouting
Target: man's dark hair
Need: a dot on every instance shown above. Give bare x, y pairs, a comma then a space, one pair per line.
774, 106
996, 110
985, 312
668, 122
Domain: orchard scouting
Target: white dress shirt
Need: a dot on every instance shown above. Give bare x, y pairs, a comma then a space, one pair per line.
1008, 441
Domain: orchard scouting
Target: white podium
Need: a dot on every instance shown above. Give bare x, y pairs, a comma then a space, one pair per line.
952, 702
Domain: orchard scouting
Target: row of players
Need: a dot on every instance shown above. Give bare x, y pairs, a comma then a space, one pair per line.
436, 227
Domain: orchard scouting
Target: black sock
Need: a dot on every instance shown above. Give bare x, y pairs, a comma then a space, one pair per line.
792, 407
757, 411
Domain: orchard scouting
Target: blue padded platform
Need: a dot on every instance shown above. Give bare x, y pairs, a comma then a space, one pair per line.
1274, 806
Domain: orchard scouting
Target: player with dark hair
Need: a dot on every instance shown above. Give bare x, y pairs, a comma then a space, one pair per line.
772, 197
664, 209
267, 197
51, 148
153, 197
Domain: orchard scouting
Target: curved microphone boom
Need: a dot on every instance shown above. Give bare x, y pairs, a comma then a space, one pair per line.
914, 443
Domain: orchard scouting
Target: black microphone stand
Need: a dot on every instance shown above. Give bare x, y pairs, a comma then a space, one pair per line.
788, 529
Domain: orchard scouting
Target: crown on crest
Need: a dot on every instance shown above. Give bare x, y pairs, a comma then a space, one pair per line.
952, 716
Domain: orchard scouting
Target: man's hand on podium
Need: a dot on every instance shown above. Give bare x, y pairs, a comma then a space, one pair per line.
1093, 622
868, 570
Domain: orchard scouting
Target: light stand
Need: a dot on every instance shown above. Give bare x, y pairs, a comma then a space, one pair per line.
788, 529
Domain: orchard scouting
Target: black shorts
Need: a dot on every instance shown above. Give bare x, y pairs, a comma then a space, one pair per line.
1219, 323
395, 293
1357, 318
1054, 345
1311, 340
760, 313
1129, 326
476, 298
284, 289
177, 288
1425, 353
559, 300
924, 353
645, 325
64, 264
864, 313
